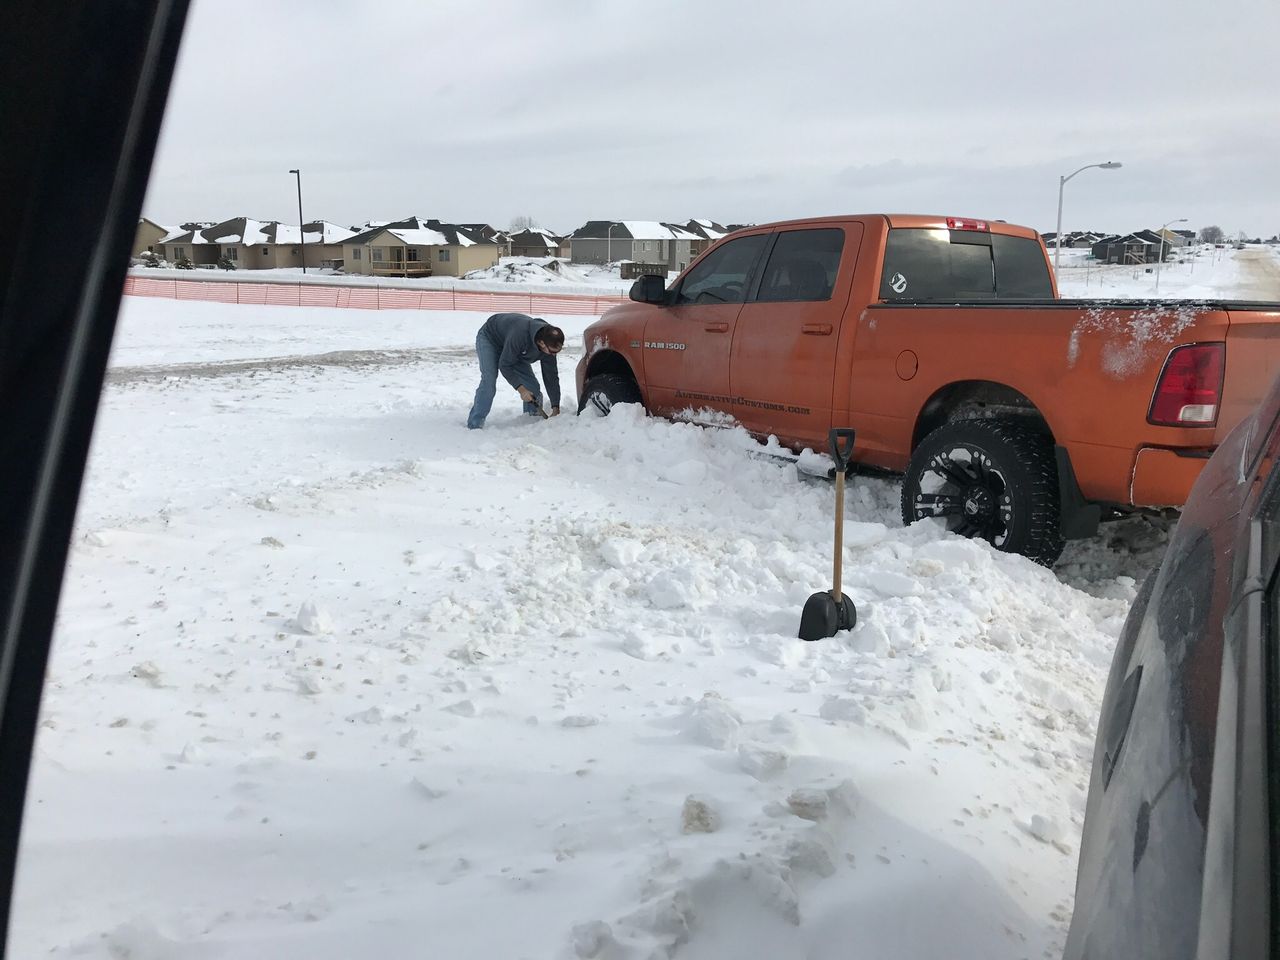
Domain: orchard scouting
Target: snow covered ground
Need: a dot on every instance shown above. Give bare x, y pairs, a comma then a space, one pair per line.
335, 677
510, 274
1195, 273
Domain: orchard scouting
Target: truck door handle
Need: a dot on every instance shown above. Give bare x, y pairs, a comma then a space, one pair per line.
817, 329
721, 327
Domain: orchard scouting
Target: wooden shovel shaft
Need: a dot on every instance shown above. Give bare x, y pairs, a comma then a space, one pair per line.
839, 553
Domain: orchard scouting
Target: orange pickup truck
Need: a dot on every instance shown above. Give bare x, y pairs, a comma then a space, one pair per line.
1014, 416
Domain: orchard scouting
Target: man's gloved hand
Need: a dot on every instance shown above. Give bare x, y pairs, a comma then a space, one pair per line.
555, 411
526, 394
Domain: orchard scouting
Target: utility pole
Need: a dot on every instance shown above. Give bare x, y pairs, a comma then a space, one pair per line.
302, 236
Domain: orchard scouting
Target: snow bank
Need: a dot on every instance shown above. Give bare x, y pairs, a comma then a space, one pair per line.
551, 676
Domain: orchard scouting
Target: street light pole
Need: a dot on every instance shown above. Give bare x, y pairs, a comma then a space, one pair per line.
1160, 258
1062, 182
302, 236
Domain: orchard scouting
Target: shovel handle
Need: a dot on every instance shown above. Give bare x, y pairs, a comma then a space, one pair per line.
841, 443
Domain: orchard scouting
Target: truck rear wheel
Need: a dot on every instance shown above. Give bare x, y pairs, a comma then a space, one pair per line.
993, 479
602, 391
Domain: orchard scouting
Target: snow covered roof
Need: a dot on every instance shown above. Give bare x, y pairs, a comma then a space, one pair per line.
633, 230
527, 237
707, 229
420, 238
453, 234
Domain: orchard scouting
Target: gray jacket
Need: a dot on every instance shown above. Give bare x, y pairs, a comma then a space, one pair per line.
512, 334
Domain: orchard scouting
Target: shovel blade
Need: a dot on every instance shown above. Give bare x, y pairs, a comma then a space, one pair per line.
823, 617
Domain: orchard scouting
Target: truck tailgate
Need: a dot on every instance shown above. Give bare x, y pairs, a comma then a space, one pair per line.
1253, 360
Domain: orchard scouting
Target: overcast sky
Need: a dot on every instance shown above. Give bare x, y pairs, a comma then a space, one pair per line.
736, 110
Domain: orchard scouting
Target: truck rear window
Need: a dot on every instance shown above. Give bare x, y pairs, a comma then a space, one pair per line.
924, 264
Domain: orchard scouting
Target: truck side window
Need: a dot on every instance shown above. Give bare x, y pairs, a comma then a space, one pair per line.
803, 266
723, 274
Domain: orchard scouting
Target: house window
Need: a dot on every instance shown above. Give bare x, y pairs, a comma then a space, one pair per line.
294, 251
444, 256
265, 250
355, 253
379, 254
231, 253
412, 254
179, 252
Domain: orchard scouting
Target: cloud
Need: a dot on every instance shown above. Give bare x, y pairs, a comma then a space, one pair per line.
737, 109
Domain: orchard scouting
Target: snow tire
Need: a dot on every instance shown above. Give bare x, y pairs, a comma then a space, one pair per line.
996, 479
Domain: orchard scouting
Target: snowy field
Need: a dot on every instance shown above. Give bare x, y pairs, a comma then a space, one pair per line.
1194, 273
510, 274
335, 677
1198, 272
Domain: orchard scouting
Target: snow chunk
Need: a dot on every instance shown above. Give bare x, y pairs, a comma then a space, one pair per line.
464, 708
762, 762
843, 708
699, 815
688, 473
147, 671
590, 940
667, 591
1045, 829
621, 552
313, 619
817, 804
579, 720
713, 722
890, 584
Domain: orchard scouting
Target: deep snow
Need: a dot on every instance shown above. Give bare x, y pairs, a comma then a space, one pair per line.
336, 677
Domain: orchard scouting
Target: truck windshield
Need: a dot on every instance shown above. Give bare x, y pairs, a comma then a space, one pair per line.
926, 264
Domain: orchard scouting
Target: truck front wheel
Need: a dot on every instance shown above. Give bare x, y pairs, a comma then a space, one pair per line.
994, 479
602, 391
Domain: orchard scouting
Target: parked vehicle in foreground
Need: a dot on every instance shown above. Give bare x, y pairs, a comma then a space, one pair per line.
1179, 845
1014, 416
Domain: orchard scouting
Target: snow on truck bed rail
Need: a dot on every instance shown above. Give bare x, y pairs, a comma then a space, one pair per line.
336, 677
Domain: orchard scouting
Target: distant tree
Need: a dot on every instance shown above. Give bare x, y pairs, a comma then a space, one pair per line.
184, 263
525, 222
226, 263
1212, 235
149, 259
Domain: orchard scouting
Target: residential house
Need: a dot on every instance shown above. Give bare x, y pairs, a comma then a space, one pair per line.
707, 232
535, 242
1140, 247
484, 233
1081, 239
1075, 240
1172, 238
188, 242
1190, 235
415, 247
642, 241
148, 236
324, 243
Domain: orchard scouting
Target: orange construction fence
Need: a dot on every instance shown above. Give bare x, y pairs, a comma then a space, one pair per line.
370, 298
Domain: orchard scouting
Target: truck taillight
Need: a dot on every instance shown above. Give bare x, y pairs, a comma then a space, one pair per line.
959, 223
1190, 386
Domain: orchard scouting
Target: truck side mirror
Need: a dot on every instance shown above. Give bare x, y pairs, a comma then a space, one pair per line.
650, 288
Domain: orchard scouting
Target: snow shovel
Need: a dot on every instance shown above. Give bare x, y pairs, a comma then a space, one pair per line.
826, 614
